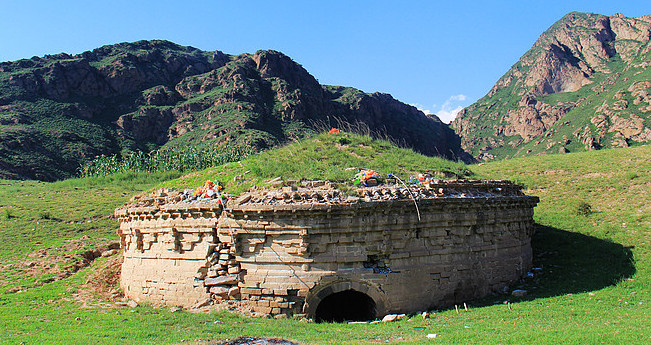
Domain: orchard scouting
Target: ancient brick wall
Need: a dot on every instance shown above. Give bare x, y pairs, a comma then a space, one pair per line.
284, 252
165, 250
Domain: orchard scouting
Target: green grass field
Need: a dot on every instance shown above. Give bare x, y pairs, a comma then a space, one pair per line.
594, 286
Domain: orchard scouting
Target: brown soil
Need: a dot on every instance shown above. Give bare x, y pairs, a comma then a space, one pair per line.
60, 262
104, 282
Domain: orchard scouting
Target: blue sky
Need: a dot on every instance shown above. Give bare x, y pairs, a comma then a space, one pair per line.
438, 55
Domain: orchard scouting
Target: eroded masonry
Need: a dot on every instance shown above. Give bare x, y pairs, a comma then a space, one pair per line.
308, 249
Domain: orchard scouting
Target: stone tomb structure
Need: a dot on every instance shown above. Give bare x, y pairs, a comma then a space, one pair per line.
308, 249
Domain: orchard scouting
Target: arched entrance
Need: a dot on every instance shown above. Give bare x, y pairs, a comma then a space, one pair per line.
348, 305
344, 301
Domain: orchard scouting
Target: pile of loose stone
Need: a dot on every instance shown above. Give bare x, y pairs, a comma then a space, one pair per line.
439, 189
310, 192
166, 196
325, 192
222, 276
304, 192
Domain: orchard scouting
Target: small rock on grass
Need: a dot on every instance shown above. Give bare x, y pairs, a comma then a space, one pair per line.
109, 252
518, 293
257, 341
174, 309
393, 317
203, 303
132, 304
390, 318
432, 335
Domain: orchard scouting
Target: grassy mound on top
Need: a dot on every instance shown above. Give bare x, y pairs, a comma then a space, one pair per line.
334, 157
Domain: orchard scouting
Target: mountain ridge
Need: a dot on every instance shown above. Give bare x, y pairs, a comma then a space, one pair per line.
58, 111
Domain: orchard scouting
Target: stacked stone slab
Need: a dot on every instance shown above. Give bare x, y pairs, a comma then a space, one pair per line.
284, 251
223, 276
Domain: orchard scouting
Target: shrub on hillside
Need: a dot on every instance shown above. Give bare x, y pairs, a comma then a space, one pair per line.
583, 209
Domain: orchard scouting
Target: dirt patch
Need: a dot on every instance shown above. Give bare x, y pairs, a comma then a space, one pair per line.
59, 262
597, 174
536, 192
101, 288
243, 308
341, 147
254, 341
553, 172
105, 279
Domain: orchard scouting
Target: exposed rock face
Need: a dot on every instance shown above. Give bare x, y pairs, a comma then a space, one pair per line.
557, 70
151, 93
583, 85
531, 119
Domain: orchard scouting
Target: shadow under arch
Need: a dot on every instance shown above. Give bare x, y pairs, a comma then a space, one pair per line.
337, 292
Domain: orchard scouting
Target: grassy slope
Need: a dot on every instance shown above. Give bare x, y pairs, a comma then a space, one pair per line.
325, 156
39, 216
597, 267
588, 292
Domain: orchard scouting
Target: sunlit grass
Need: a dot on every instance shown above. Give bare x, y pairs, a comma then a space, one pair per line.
594, 286
328, 157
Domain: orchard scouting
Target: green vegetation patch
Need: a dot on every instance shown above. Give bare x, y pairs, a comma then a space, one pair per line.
334, 157
44, 227
182, 159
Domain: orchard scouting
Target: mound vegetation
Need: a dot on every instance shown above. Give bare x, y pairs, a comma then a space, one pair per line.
333, 157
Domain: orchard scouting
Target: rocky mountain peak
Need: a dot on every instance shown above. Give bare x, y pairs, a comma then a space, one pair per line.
274, 64
582, 60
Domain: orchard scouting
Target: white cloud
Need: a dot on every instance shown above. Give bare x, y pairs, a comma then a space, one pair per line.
422, 108
447, 111
447, 115
451, 108
457, 98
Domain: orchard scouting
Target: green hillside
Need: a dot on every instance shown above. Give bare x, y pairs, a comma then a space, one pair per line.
60, 111
592, 246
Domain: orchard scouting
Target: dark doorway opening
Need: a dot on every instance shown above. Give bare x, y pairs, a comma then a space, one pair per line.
349, 305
